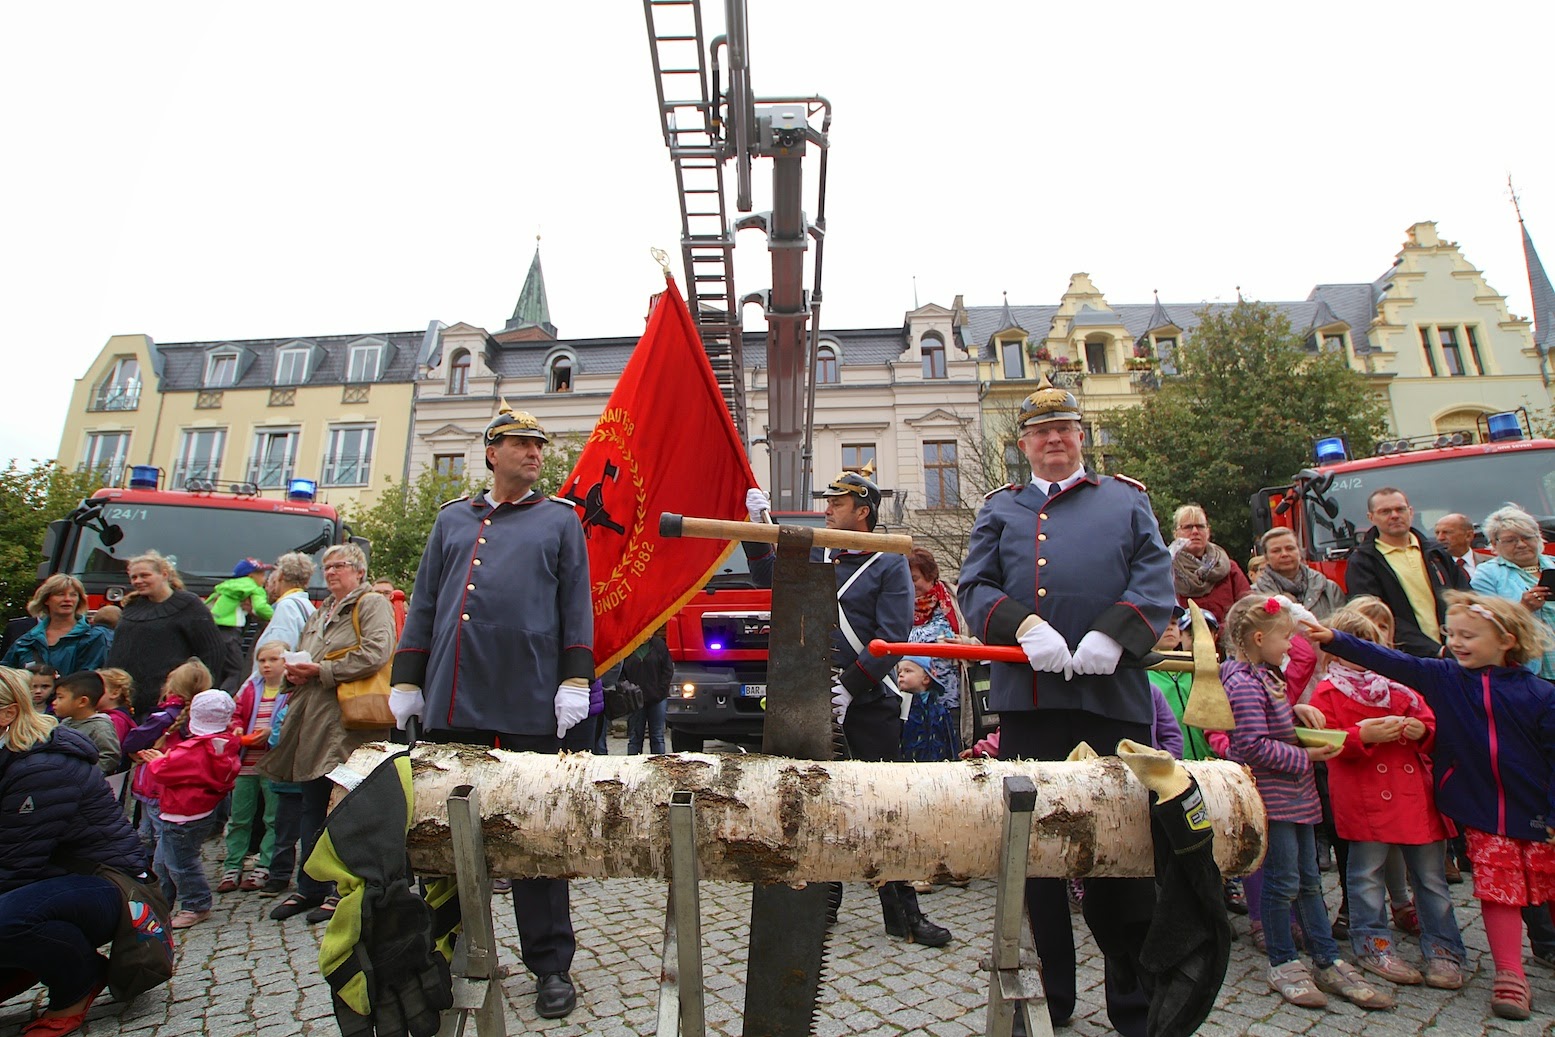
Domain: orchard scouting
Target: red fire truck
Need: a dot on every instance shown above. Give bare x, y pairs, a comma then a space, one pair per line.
1326, 504
203, 529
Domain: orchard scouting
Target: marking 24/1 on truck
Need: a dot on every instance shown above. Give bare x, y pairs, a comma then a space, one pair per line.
1326, 505
201, 529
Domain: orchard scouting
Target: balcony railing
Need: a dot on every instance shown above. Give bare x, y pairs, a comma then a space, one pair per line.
346, 471
269, 473
200, 471
110, 471
116, 397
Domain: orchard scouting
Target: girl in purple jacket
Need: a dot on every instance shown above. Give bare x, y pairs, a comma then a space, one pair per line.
1494, 762
1259, 630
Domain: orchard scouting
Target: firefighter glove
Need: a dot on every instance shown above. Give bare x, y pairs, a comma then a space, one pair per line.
572, 706
406, 701
1045, 647
757, 504
1096, 654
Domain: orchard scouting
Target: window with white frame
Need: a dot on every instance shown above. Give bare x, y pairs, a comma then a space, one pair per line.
1333, 343
856, 455
105, 451
1014, 359
363, 363
291, 367
221, 370
274, 457
199, 455
348, 455
1016, 468
448, 464
826, 366
120, 390
560, 377
932, 348
459, 374
941, 476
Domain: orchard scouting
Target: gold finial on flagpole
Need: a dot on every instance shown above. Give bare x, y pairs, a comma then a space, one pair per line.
662, 258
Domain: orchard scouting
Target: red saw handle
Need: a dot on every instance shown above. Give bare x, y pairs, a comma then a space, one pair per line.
941, 650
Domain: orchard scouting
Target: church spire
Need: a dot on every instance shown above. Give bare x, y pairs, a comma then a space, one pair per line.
1543, 295
532, 310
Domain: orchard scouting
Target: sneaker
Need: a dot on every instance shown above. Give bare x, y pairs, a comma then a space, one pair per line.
1444, 974
255, 880
1235, 896
501, 886
1406, 920
1383, 962
274, 886
229, 881
1346, 980
1293, 982
1510, 997
184, 919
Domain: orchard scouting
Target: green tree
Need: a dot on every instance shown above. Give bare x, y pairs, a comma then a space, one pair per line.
31, 498
1243, 414
400, 521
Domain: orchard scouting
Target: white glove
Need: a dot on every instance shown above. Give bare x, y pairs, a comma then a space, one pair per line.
841, 699
1096, 654
757, 503
572, 706
1045, 648
405, 701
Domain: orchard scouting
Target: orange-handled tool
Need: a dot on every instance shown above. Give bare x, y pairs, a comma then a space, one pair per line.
1173, 661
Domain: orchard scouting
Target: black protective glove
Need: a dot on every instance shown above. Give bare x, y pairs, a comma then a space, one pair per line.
385, 976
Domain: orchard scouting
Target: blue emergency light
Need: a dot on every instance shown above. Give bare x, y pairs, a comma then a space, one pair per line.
302, 490
1332, 450
144, 476
1504, 427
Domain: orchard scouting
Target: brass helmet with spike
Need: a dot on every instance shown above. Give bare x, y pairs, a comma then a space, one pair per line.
510, 422
1048, 403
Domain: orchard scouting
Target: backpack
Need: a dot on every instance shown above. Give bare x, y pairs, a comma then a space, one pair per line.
141, 956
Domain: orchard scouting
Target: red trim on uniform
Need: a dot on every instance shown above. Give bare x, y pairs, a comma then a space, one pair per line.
991, 611
423, 651
453, 683
1495, 760
1148, 625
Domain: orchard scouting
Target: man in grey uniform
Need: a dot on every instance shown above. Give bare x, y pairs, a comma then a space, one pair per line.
498, 650
874, 600
1071, 567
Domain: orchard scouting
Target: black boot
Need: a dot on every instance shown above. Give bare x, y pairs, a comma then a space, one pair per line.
912, 925
891, 907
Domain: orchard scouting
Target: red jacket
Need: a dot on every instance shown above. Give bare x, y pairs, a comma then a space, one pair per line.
1381, 792
1222, 596
197, 773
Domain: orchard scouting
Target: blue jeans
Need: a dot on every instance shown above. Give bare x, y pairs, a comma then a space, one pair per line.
1290, 878
1439, 935
52, 929
150, 824
178, 864
651, 718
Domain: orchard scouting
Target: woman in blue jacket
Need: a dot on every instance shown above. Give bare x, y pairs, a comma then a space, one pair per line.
58, 823
62, 637
1514, 573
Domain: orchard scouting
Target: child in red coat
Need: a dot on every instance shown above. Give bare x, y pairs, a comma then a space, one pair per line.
195, 776
1381, 791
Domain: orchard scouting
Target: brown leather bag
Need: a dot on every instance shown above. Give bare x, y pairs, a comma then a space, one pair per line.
364, 702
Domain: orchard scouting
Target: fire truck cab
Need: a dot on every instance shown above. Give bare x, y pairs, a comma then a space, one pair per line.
1326, 505
202, 529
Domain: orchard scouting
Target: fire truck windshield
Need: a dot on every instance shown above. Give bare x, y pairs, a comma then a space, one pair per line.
203, 543
1474, 485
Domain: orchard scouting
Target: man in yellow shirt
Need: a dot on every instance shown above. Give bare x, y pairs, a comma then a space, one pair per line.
1409, 572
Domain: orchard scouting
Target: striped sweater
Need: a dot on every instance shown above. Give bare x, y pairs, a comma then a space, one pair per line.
1265, 740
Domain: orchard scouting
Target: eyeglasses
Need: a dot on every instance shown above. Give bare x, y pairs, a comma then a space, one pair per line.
1194, 525
1517, 538
333, 566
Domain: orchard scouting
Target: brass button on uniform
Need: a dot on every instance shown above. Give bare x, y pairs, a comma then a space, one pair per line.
1041, 561
486, 521
1042, 516
465, 617
1041, 536
477, 561
1041, 592
469, 586
481, 540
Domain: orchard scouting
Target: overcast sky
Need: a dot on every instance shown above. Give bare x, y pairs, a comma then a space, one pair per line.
216, 171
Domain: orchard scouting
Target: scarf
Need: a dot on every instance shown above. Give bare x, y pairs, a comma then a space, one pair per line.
1364, 686
1309, 588
937, 598
1196, 577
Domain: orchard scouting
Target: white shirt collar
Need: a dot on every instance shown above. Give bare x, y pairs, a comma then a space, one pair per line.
1063, 484
493, 501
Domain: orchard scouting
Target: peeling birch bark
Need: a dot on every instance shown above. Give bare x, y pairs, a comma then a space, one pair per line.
765, 819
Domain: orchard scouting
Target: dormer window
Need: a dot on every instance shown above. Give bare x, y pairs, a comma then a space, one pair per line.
221, 370
559, 377
1014, 359
363, 362
826, 372
1333, 343
1096, 356
932, 348
459, 374
291, 367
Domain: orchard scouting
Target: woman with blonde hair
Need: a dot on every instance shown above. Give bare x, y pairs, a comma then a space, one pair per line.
350, 637
71, 816
62, 637
1202, 571
162, 626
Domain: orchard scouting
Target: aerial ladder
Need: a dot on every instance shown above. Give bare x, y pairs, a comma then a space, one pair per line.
704, 128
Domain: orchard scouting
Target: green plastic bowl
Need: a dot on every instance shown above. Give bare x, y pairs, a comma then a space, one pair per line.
1311, 736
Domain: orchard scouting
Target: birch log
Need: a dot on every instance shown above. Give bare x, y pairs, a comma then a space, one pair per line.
765, 819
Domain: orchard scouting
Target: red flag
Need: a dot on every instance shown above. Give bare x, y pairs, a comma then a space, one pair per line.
665, 442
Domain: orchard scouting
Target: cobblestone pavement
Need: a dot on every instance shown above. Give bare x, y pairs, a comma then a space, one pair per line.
241, 974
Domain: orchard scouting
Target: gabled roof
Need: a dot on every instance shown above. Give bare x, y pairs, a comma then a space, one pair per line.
1159, 318
184, 362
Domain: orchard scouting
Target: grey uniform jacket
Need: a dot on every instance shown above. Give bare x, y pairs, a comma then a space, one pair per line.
877, 604
1089, 558
499, 617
